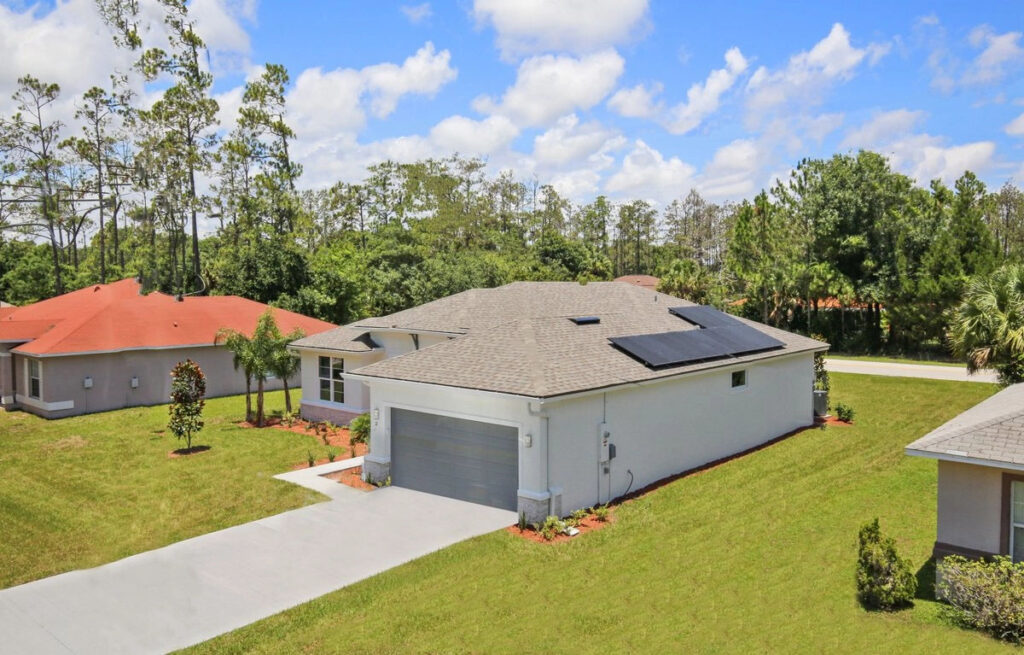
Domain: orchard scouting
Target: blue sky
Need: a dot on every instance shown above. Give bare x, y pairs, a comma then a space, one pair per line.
619, 97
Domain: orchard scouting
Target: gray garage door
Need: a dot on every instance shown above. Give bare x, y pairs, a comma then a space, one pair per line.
468, 460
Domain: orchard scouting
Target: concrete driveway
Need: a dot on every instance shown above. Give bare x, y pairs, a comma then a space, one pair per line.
196, 589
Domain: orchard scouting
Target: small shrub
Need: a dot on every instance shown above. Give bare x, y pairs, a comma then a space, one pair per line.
821, 378
522, 521
574, 519
359, 428
310, 458
601, 513
331, 454
552, 527
323, 438
884, 579
844, 413
988, 596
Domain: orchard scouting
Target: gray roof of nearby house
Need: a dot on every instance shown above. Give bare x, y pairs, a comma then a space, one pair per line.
345, 338
519, 339
991, 431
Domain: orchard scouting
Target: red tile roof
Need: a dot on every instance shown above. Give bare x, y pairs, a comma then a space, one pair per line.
111, 317
645, 281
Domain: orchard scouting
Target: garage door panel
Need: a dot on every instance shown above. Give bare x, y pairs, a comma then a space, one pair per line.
458, 458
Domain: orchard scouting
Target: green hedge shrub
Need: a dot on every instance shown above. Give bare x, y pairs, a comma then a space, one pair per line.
884, 579
987, 595
844, 413
359, 428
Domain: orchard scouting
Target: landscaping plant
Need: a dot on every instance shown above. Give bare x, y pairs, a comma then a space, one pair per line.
601, 513
188, 391
884, 579
821, 379
359, 429
987, 595
844, 413
331, 454
552, 527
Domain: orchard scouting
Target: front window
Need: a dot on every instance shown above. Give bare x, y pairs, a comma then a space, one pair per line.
332, 384
35, 379
1017, 521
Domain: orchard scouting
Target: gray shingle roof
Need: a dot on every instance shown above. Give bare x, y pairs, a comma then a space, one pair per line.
519, 340
992, 430
345, 338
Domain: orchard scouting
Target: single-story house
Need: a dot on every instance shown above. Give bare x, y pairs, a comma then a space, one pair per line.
545, 397
981, 478
107, 346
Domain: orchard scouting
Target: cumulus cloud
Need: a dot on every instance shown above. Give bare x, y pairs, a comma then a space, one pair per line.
578, 26
646, 173
925, 157
1015, 127
808, 74
882, 128
324, 102
551, 86
472, 137
570, 141
733, 171
638, 101
702, 99
1000, 53
417, 13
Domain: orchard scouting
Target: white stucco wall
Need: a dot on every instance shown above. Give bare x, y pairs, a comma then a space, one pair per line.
664, 428
658, 429
970, 499
357, 395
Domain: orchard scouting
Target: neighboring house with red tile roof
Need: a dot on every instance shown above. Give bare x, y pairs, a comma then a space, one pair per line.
544, 397
644, 281
108, 346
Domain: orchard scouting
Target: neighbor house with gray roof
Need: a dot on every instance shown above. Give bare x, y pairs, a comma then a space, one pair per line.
980, 457
545, 397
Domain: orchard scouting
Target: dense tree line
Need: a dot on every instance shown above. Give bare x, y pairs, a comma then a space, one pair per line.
846, 247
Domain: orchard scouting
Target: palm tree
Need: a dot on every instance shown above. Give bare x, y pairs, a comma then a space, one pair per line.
241, 349
988, 327
263, 347
285, 364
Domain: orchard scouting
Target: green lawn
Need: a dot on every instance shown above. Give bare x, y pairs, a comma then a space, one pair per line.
86, 490
756, 555
897, 360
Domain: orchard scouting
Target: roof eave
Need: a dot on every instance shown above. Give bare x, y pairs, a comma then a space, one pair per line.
963, 459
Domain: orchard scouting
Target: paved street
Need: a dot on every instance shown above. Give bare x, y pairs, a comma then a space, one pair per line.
908, 370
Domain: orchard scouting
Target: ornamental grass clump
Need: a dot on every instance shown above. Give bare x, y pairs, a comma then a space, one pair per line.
986, 595
884, 579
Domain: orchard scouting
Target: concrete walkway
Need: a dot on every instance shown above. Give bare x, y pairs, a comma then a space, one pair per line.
908, 370
196, 589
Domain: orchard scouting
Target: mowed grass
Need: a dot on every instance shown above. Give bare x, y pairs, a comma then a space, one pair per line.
82, 491
756, 555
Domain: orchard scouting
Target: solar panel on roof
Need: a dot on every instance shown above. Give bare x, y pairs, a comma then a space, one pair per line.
719, 336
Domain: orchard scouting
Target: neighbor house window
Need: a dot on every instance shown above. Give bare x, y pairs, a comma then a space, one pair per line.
1017, 521
739, 379
332, 385
35, 379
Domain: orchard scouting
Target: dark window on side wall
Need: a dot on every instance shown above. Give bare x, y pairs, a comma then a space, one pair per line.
739, 379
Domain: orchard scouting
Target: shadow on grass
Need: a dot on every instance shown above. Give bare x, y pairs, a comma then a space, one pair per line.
926, 581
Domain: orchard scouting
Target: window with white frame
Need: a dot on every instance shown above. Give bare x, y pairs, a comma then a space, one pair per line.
35, 379
739, 379
1017, 520
332, 384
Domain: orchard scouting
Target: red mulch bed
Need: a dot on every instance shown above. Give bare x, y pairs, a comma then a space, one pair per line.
343, 454
832, 420
335, 437
183, 452
588, 524
353, 477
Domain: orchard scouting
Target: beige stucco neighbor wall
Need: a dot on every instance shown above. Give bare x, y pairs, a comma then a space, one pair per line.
970, 507
63, 379
6, 376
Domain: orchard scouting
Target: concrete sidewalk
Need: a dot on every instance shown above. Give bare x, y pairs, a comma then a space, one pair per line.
193, 590
908, 370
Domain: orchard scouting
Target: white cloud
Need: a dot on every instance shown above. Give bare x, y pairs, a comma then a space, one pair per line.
578, 26
882, 128
646, 173
417, 13
925, 157
807, 75
325, 102
702, 100
1001, 52
570, 141
733, 170
218, 23
637, 102
550, 86
472, 137
1015, 127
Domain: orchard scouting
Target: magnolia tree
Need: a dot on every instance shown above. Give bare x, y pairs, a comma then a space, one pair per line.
188, 390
